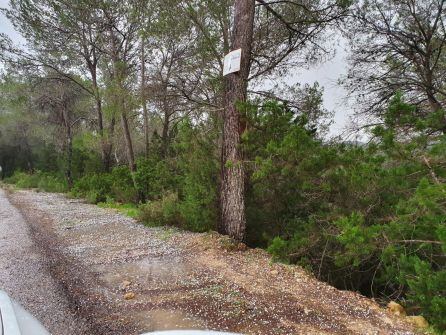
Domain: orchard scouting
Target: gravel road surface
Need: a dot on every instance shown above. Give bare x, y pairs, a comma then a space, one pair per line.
24, 275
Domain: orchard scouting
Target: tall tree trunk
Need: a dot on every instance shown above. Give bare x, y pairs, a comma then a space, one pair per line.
433, 102
144, 98
165, 134
119, 74
68, 148
110, 135
69, 170
232, 196
128, 141
91, 60
166, 119
106, 146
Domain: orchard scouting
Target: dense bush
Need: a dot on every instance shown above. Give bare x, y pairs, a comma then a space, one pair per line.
22, 179
161, 212
101, 187
183, 191
368, 218
122, 185
51, 183
39, 180
154, 177
94, 187
407, 249
198, 177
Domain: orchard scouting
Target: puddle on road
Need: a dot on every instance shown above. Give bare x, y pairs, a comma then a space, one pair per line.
152, 280
159, 319
148, 270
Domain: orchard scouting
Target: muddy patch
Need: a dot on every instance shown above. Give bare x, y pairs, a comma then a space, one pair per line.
159, 319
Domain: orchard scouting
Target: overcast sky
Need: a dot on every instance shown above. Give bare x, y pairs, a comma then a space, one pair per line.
327, 74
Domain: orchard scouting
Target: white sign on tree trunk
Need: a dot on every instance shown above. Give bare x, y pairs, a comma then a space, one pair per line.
232, 62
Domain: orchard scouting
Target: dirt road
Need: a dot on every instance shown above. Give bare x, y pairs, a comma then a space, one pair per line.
24, 275
124, 278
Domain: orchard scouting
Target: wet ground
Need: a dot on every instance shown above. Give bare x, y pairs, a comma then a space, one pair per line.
124, 278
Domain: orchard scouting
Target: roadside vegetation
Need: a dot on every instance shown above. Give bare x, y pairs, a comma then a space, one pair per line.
135, 121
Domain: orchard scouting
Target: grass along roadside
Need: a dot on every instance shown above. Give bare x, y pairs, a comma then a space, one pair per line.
130, 210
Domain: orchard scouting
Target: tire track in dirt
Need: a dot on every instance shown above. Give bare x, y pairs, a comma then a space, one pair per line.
25, 275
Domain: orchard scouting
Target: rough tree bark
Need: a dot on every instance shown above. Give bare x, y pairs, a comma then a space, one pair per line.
232, 196
68, 146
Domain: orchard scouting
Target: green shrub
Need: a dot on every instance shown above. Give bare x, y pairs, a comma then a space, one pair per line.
162, 212
117, 185
362, 217
197, 184
40, 180
154, 177
23, 180
14, 178
51, 183
426, 288
279, 249
95, 187
417, 248
198, 203
92, 196
122, 188
128, 209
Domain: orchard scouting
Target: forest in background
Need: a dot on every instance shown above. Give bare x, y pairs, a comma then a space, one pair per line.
124, 103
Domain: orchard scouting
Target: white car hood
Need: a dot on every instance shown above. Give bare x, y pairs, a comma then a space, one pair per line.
15, 320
